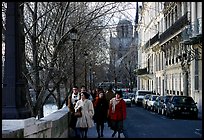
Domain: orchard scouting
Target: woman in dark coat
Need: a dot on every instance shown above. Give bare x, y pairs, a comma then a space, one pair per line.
101, 109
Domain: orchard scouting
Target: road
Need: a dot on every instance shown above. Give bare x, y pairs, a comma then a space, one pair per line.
141, 123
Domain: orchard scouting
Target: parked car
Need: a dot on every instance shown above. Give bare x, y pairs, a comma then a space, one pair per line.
182, 106
127, 100
162, 104
132, 97
151, 101
144, 101
140, 95
156, 104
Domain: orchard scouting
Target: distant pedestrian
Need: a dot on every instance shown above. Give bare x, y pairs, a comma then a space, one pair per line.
87, 109
117, 113
83, 89
109, 94
101, 109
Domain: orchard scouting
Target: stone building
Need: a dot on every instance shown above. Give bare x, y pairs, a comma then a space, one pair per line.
119, 50
170, 49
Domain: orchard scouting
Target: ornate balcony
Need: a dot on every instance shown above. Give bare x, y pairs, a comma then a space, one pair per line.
192, 34
141, 71
178, 25
144, 73
154, 39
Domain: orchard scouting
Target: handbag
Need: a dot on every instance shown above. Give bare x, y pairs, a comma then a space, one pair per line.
78, 114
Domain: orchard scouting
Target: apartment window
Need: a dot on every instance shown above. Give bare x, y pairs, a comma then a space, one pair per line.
166, 25
156, 62
169, 20
172, 17
122, 31
196, 70
159, 62
163, 58
176, 13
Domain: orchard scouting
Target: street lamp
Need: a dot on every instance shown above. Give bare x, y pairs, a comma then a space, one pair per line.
90, 77
85, 73
94, 74
73, 36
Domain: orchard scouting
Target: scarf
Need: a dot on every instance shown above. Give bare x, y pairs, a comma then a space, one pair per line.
75, 98
114, 103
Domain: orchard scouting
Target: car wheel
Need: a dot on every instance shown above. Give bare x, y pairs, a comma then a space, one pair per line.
166, 114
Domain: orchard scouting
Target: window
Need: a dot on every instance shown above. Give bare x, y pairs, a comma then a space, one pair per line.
196, 70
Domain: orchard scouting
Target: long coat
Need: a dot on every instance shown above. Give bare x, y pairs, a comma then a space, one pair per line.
120, 110
101, 109
87, 113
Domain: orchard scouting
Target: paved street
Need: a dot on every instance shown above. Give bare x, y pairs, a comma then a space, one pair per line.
107, 132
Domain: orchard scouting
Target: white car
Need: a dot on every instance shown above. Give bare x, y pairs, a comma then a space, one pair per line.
127, 101
140, 95
151, 101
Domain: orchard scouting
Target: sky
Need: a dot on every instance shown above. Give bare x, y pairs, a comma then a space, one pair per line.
129, 14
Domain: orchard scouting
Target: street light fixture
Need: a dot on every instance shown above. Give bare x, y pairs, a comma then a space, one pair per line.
73, 36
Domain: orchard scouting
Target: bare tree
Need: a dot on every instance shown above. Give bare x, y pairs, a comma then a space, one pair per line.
49, 50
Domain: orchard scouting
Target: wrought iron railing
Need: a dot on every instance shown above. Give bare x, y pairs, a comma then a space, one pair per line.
178, 25
192, 33
196, 28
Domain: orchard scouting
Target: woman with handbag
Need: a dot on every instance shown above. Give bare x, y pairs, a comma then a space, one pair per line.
117, 113
87, 110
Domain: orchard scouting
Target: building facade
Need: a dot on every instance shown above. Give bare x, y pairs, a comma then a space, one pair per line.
170, 48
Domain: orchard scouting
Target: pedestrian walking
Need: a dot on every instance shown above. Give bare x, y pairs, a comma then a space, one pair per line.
109, 95
83, 89
101, 109
72, 99
86, 120
117, 113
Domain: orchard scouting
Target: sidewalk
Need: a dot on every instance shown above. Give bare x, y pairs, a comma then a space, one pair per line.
107, 132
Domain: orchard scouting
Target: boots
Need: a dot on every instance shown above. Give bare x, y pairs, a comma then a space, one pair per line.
118, 134
114, 134
101, 133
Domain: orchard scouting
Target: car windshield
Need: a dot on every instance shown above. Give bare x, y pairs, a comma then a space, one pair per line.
154, 98
167, 99
142, 93
125, 97
184, 100
147, 97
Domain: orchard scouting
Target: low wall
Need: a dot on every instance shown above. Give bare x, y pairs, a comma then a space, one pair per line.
54, 125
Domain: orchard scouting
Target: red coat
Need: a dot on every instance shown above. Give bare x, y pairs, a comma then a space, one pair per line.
120, 111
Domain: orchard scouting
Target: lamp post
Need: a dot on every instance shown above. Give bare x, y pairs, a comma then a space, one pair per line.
85, 73
94, 74
90, 77
73, 36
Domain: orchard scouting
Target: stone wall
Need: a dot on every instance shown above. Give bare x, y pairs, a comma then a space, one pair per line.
54, 125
